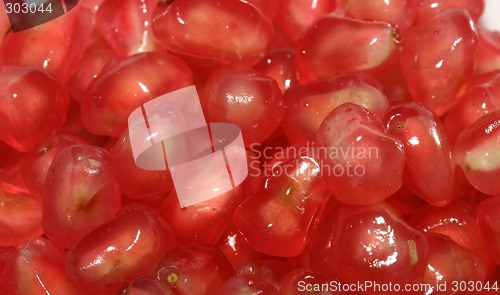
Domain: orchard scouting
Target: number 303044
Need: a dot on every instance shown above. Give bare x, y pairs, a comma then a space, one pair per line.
28, 8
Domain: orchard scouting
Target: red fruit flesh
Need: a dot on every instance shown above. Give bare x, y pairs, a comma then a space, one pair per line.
480, 96
33, 104
126, 85
370, 242
437, 56
38, 160
270, 270
487, 213
35, 268
247, 285
194, 269
362, 164
303, 280
429, 165
336, 45
308, 105
458, 221
240, 34
80, 194
124, 249
244, 97
127, 26
449, 263
297, 15
50, 47
277, 219
20, 218
279, 64
133, 181
429, 8
236, 248
488, 51
476, 152
146, 286
399, 13
93, 61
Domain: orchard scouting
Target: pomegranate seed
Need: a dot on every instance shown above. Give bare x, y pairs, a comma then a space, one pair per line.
480, 96
448, 262
370, 242
240, 34
279, 64
20, 218
399, 13
429, 8
33, 104
424, 139
488, 51
270, 270
307, 105
362, 164
146, 286
38, 160
247, 285
458, 221
80, 194
185, 270
476, 152
487, 213
119, 251
300, 280
244, 97
93, 61
126, 85
127, 26
268, 8
48, 46
236, 248
297, 15
277, 219
437, 56
35, 268
335, 45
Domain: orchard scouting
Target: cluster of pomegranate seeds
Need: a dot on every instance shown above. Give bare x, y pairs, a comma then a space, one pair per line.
372, 131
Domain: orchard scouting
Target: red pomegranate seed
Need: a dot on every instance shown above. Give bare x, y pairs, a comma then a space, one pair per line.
488, 51
20, 218
303, 280
448, 263
146, 286
124, 249
50, 47
33, 104
278, 218
124, 86
359, 243
399, 13
247, 285
38, 160
335, 45
307, 105
244, 97
476, 152
437, 57
127, 26
296, 16
458, 221
429, 165
268, 8
479, 97
35, 268
361, 164
279, 64
429, 8
240, 34
80, 194
487, 213
236, 248
96, 56
135, 182
270, 270
194, 269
